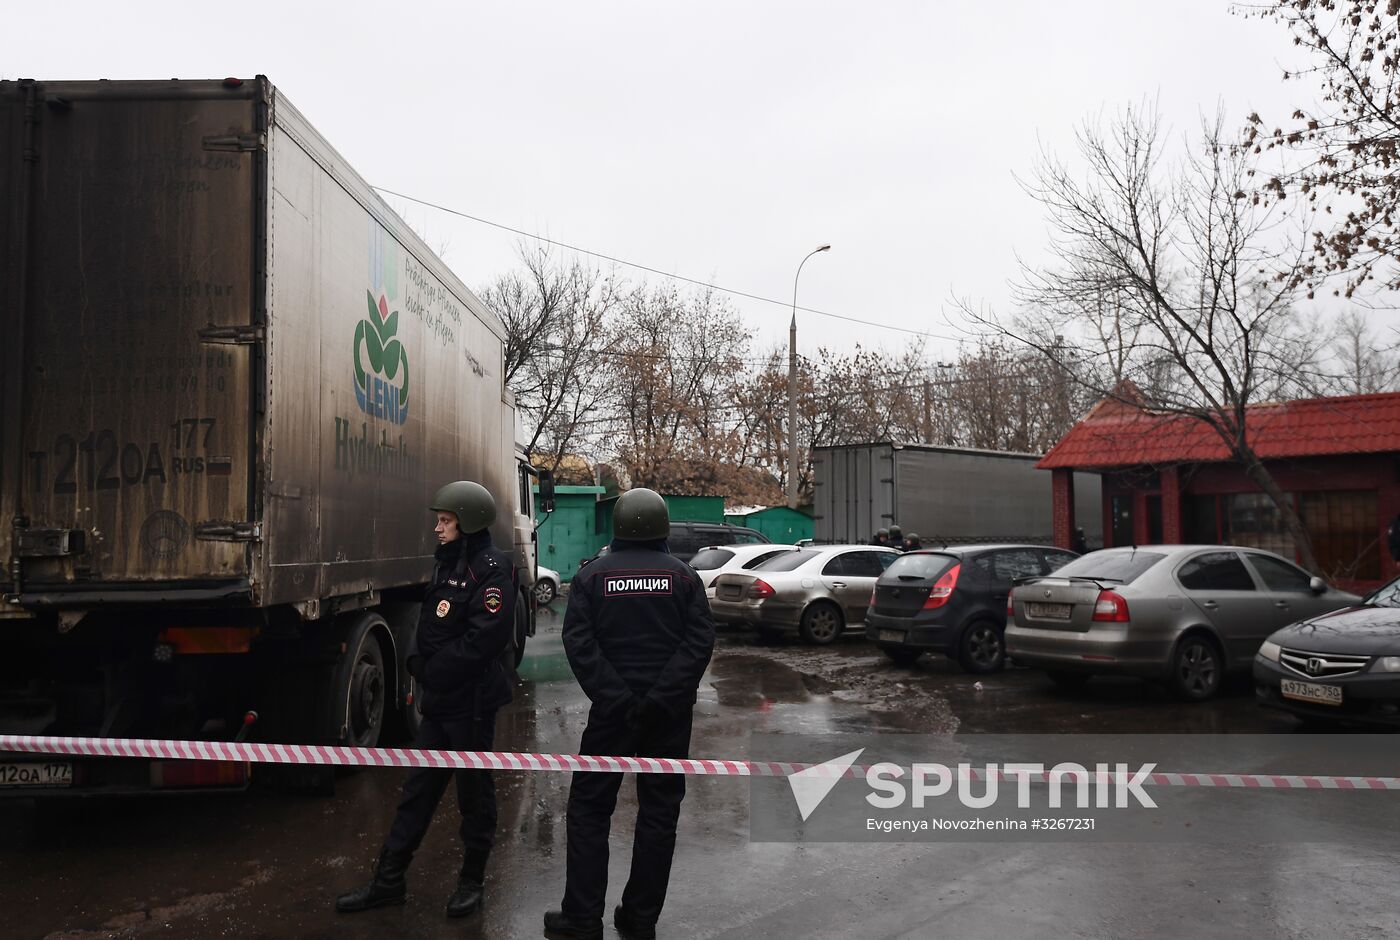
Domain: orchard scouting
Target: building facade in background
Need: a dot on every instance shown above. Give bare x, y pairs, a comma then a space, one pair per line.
1170, 479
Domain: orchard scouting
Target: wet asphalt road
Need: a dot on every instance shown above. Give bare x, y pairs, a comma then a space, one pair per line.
268, 863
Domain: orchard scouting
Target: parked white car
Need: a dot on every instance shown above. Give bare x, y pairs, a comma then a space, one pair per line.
546, 585
722, 559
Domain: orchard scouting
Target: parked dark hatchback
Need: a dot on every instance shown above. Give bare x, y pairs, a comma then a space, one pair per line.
953, 601
1340, 667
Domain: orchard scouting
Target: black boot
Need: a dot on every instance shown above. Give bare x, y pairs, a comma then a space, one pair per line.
388, 886
466, 899
630, 928
470, 881
559, 924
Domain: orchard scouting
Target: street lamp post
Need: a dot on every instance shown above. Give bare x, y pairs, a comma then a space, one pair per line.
792, 387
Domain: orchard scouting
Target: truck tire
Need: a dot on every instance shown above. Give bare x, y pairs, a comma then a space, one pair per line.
362, 690
522, 627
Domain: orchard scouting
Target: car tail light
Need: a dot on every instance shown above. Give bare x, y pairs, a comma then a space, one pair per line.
1010, 609
1111, 607
943, 588
761, 589
873, 592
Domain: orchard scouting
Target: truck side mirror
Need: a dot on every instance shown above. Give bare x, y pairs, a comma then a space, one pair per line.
547, 490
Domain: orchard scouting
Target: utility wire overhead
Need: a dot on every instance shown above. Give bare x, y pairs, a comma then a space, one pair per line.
786, 305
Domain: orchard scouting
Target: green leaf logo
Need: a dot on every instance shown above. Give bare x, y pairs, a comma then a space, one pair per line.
386, 355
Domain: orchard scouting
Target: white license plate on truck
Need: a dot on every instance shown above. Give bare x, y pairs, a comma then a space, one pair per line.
36, 775
1312, 692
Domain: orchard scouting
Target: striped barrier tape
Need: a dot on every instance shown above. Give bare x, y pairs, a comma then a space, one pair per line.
505, 760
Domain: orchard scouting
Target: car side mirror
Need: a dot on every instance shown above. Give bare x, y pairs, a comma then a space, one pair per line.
547, 490
1317, 586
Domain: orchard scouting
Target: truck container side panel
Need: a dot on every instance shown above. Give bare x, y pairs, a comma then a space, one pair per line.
941, 493
134, 428
401, 394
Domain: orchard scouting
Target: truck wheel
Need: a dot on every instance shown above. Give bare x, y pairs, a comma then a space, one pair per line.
522, 627
821, 624
362, 694
981, 649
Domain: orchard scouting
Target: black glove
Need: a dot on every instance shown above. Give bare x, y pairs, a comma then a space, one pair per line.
415, 667
644, 715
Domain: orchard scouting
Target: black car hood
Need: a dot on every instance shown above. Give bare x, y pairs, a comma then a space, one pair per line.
1363, 631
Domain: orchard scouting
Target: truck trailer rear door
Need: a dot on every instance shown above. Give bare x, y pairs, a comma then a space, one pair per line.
142, 250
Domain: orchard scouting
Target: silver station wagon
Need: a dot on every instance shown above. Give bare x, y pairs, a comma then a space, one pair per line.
1183, 614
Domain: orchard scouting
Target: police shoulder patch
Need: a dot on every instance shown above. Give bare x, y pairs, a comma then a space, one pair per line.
493, 600
442, 608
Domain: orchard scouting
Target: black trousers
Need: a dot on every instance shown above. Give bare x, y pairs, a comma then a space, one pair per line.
592, 799
476, 793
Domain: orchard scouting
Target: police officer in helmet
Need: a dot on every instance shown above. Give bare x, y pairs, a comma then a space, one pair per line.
638, 635
465, 624
882, 537
896, 538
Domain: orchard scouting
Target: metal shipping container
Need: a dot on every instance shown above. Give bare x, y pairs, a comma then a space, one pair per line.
945, 494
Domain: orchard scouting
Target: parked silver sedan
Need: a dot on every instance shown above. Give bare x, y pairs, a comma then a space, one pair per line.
1185, 614
818, 591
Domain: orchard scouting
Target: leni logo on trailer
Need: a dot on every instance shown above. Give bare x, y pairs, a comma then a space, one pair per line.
381, 362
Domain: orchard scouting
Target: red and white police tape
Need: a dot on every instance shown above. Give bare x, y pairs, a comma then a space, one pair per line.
505, 760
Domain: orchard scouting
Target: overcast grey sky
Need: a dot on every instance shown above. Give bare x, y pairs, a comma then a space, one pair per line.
717, 140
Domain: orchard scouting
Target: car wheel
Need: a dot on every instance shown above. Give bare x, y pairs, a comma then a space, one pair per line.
821, 624
981, 649
1066, 679
901, 655
545, 592
1197, 668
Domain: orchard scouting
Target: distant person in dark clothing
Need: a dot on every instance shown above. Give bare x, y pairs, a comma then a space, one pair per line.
882, 537
1080, 543
912, 542
639, 635
896, 538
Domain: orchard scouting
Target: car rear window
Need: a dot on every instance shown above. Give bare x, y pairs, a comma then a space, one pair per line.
921, 567
788, 561
759, 559
710, 558
1123, 566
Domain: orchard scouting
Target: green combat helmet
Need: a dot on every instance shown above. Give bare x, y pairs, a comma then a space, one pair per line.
896, 532
882, 533
641, 516
470, 502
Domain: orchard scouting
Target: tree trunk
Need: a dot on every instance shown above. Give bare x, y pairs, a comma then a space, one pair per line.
1260, 474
